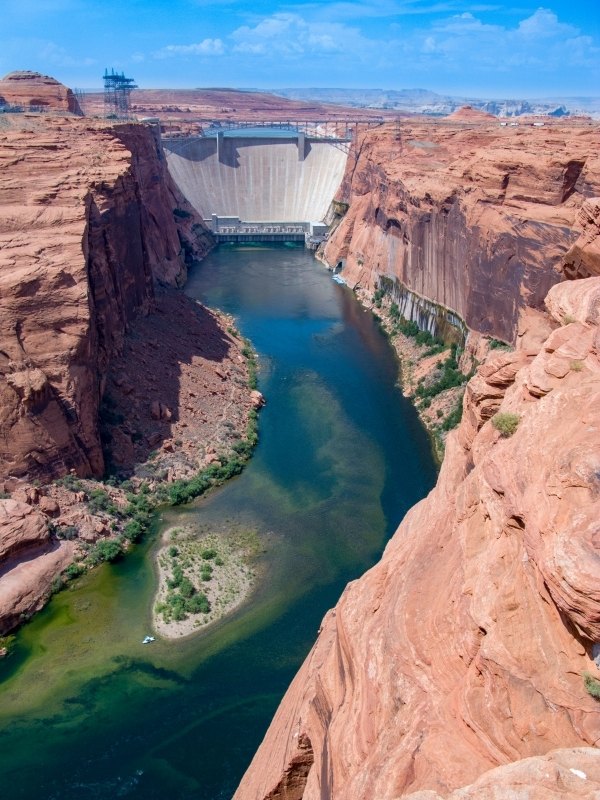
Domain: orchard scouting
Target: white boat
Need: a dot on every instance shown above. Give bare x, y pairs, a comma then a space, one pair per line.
339, 279
147, 639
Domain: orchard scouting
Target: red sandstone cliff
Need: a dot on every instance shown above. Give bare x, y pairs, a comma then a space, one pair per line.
86, 228
480, 218
464, 648
34, 90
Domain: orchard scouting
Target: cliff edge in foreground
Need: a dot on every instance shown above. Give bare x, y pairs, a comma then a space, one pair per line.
463, 650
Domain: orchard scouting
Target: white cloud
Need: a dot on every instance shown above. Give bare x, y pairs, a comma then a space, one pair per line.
207, 47
460, 47
289, 34
256, 49
464, 42
429, 44
544, 24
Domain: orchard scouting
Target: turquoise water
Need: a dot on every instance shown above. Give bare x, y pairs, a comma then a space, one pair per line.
86, 711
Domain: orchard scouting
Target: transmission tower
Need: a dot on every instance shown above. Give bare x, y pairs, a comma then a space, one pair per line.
117, 89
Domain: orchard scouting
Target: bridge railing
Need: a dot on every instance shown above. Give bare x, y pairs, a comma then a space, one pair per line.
234, 225
334, 129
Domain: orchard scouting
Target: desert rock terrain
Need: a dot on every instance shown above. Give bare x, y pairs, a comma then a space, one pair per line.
455, 667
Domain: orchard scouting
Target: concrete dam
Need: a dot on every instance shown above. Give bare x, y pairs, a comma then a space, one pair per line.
250, 184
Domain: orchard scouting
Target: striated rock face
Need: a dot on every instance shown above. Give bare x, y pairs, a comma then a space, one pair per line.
583, 258
34, 90
29, 560
475, 217
22, 528
86, 227
463, 650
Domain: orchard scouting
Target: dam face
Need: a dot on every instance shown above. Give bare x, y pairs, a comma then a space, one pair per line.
281, 183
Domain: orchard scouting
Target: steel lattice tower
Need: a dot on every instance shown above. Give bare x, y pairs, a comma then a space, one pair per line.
117, 89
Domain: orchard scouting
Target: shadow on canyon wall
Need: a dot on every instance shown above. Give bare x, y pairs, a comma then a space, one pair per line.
144, 392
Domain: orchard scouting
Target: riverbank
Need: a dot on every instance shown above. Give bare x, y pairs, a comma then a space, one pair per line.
203, 575
178, 417
433, 374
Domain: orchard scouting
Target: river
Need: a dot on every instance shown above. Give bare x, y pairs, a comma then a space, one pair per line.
86, 710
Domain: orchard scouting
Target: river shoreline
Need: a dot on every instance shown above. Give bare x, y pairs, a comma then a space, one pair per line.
178, 417
421, 366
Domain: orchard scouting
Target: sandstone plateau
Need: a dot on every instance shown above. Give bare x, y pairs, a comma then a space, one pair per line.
228, 104
478, 218
463, 649
36, 91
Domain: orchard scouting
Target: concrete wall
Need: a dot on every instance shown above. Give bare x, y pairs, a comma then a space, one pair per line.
257, 178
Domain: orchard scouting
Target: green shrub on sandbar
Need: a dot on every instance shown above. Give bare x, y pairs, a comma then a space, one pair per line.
506, 423
186, 588
177, 577
198, 604
176, 607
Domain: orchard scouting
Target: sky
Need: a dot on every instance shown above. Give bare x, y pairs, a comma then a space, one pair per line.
473, 49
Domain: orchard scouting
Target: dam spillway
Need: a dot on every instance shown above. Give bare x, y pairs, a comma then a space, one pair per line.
282, 181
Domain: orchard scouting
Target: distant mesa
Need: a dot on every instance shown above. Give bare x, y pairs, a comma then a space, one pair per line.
470, 114
32, 90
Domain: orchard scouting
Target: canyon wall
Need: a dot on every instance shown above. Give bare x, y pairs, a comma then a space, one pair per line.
86, 229
462, 651
481, 219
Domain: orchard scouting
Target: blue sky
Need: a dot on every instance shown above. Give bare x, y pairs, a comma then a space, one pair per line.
449, 46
